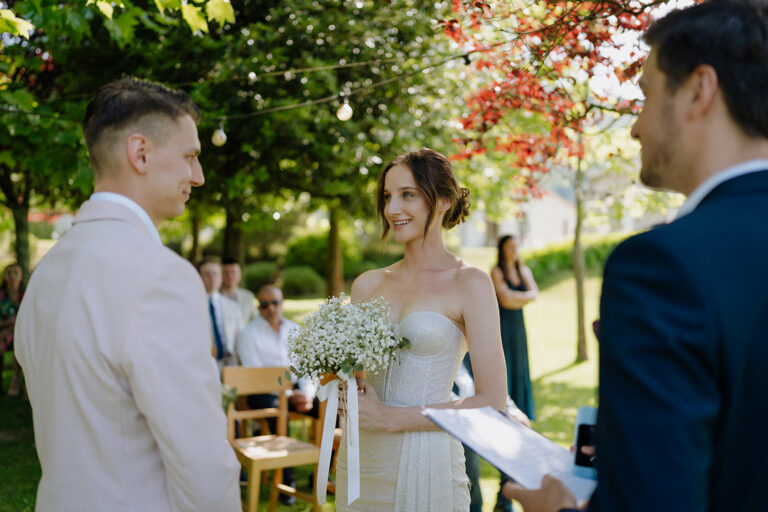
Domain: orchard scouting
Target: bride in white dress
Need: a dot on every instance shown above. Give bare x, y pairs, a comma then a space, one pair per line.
444, 307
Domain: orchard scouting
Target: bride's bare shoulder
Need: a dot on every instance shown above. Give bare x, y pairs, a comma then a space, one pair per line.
473, 277
366, 284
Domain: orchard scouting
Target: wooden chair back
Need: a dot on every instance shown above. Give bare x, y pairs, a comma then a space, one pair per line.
252, 381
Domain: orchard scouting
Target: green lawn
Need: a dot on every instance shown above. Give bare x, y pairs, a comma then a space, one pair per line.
19, 469
560, 387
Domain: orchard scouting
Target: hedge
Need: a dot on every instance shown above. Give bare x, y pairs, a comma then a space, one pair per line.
555, 258
301, 280
255, 275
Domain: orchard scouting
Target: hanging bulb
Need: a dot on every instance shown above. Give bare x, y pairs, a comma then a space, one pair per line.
219, 138
345, 112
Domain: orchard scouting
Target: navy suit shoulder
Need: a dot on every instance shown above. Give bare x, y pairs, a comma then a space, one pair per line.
684, 348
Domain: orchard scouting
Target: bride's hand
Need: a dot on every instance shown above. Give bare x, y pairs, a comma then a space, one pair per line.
372, 412
342, 407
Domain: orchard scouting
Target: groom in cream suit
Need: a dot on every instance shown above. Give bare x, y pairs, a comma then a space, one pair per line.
113, 331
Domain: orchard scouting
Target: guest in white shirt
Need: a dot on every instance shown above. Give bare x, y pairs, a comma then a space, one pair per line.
264, 342
226, 318
231, 276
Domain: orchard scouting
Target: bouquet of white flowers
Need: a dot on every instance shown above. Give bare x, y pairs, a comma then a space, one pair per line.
344, 337
336, 340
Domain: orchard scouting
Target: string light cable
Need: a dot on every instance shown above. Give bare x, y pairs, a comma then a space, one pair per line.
219, 120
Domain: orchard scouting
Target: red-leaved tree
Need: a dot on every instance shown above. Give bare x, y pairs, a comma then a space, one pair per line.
540, 59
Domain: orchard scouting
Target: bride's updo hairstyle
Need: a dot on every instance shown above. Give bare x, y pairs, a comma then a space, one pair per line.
435, 178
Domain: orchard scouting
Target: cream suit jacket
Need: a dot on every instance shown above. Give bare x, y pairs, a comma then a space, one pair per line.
113, 339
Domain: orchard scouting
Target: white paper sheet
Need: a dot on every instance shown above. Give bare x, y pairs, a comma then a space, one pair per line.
522, 453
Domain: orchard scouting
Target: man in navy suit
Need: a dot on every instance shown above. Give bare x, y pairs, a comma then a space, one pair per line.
684, 310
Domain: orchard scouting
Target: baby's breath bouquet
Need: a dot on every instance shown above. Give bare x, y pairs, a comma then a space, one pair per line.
344, 337
338, 339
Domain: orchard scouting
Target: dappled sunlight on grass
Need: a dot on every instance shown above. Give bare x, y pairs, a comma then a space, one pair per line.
551, 325
556, 405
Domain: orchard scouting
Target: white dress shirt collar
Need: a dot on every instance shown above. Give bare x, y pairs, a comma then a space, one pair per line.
713, 181
131, 205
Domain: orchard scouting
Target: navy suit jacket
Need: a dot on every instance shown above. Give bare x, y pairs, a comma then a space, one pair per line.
683, 418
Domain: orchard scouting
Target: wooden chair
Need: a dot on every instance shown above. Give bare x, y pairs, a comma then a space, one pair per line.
267, 452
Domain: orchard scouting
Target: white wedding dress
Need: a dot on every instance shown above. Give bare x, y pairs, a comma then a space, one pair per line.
420, 471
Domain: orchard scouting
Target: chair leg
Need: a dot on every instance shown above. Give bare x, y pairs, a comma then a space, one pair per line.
254, 487
273, 492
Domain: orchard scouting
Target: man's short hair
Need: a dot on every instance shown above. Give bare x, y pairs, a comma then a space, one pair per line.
208, 259
230, 261
268, 288
126, 102
732, 37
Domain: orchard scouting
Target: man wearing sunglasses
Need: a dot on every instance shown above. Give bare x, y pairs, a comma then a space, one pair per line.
264, 342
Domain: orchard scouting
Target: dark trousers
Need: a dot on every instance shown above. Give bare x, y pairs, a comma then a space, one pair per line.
473, 473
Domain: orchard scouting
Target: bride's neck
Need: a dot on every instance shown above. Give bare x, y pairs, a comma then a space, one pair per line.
427, 253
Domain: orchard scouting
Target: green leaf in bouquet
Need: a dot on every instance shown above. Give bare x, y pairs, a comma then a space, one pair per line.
359, 367
228, 396
280, 380
287, 375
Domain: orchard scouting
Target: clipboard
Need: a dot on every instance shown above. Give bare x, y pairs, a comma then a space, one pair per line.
517, 451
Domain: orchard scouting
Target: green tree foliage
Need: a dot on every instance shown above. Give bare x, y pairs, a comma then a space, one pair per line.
249, 76
119, 18
42, 156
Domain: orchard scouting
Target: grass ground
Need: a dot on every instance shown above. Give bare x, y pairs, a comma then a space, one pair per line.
559, 385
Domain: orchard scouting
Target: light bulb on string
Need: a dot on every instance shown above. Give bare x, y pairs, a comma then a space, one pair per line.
219, 138
344, 113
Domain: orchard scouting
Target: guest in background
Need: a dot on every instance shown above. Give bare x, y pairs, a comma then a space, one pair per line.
226, 318
515, 287
11, 292
264, 342
231, 276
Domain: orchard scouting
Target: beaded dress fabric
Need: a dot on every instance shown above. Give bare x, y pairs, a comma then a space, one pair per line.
421, 470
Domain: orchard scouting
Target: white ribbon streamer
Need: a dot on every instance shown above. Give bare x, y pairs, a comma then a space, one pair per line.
330, 392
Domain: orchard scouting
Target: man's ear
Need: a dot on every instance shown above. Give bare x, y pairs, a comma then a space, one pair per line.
137, 146
703, 91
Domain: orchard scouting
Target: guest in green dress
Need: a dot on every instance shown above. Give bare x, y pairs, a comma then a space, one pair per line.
11, 292
515, 287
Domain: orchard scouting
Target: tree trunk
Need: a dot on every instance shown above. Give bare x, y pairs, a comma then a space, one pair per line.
579, 268
491, 232
196, 254
21, 241
334, 283
233, 236
16, 192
